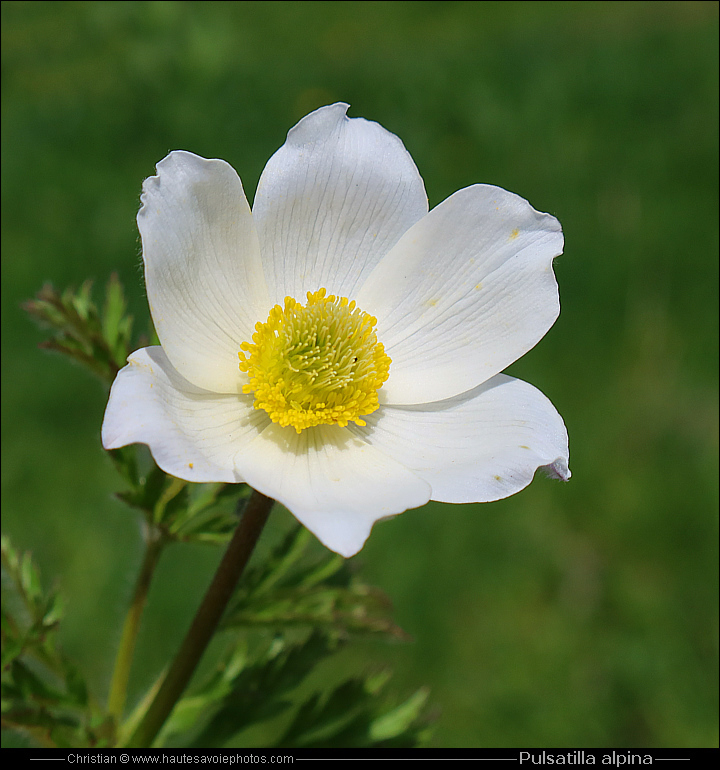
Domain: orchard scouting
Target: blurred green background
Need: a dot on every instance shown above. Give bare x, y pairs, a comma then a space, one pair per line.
579, 614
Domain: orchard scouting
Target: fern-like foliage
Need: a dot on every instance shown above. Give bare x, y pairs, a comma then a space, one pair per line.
291, 612
44, 695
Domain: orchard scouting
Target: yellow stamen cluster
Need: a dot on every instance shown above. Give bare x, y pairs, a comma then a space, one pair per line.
318, 364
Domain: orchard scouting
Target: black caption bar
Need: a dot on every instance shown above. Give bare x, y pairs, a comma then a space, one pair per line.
667, 759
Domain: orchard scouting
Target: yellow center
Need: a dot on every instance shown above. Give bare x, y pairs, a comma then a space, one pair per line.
318, 364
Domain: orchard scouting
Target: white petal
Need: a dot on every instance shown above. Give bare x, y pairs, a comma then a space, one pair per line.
331, 202
483, 445
193, 434
334, 483
202, 267
464, 293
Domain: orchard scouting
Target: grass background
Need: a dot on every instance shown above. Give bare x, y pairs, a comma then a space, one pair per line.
569, 615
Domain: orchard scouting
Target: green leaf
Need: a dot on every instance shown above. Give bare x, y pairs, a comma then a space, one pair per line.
30, 579
211, 513
25, 685
399, 720
10, 556
178, 510
294, 589
318, 717
356, 609
75, 685
172, 501
116, 325
43, 694
278, 563
126, 463
146, 494
100, 341
55, 607
312, 601
354, 715
258, 691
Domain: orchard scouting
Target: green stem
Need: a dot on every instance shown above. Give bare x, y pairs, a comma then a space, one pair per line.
123, 662
206, 620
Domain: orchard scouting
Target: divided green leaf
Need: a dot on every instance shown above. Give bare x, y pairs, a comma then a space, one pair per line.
43, 694
99, 340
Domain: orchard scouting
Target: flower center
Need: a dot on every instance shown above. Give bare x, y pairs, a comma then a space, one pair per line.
317, 364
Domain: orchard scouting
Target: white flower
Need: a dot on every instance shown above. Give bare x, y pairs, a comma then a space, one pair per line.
307, 411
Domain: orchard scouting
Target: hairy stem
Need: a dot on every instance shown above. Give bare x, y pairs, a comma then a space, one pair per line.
206, 620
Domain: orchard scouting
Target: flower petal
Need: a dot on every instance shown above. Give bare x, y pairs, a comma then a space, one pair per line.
334, 483
464, 293
331, 202
483, 445
202, 267
192, 433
